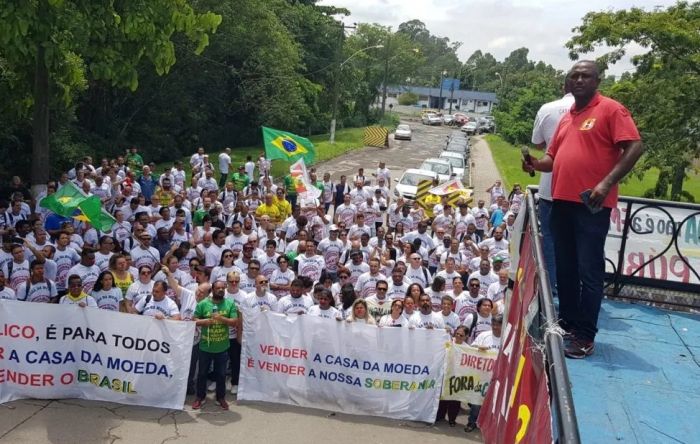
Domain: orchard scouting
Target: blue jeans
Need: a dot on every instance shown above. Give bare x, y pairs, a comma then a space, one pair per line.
205, 360
474, 410
579, 245
544, 208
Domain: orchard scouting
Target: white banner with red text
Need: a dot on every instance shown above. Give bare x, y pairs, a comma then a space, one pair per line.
468, 373
345, 367
50, 351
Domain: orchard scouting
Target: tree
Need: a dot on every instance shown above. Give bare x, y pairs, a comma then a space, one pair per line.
408, 98
54, 47
663, 94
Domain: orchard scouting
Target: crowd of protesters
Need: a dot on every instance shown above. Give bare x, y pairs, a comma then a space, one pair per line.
195, 244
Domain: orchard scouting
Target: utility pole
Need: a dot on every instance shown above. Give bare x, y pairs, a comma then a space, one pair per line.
336, 75
386, 72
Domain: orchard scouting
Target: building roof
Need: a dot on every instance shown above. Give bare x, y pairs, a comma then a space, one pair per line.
435, 92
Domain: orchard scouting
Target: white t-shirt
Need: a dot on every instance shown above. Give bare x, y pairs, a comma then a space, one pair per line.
397, 291
419, 275
329, 313
487, 340
280, 277
239, 299
482, 324
166, 306
311, 267
250, 169
224, 163
64, 261
331, 251
451, 320
432, 320
138, 290
292, 305
7, 293
89, 275
141, 256
465, 304
102, 260
257, 303
485, 280
20, 273
388, 321
108, 299
366, 284
38, 292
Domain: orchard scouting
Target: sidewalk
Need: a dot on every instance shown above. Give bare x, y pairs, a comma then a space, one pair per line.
484, 171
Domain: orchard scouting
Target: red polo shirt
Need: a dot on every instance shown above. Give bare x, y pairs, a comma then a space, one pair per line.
584, 148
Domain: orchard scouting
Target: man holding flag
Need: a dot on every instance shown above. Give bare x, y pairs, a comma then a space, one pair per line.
290, 148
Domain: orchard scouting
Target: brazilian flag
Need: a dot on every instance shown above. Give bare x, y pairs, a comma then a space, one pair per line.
70, 201
287, 146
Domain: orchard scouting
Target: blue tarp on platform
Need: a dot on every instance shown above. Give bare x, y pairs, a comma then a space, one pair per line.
642, 385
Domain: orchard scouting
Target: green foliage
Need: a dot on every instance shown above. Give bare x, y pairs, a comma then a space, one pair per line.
408, 98
663, 94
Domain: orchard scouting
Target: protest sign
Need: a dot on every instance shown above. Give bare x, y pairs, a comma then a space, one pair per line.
50, 351
468, 373
347, 367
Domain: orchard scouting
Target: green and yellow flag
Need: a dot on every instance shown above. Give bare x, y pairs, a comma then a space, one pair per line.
287, 146
70, 201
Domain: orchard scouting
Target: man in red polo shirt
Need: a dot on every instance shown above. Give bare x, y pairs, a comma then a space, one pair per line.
595, 145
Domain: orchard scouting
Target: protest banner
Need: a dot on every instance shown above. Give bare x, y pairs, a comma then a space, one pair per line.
517, 405
346, 367
468, 373
50, 351
671, 233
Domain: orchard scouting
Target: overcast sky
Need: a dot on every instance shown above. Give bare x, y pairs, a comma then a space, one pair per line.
496, 26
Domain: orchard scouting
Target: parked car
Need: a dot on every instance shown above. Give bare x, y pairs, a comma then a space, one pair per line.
487, 124
458, 163
403, 132
460, 119
442, 167
470, 128
432, 119
407, 185
448, 119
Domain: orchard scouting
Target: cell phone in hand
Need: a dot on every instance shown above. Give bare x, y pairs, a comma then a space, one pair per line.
586, 199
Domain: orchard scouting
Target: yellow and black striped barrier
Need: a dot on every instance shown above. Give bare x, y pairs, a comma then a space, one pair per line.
376, 136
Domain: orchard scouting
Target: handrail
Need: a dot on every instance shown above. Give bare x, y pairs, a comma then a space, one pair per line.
560, 386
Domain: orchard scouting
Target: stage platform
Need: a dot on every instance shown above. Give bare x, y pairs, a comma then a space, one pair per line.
642, 385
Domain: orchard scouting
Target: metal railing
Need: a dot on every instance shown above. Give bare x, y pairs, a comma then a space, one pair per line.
565, 425
660, 224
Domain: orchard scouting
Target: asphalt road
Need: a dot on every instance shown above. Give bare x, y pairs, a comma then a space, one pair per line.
77, 421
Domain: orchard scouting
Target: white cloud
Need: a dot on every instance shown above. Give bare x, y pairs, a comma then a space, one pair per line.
497, 26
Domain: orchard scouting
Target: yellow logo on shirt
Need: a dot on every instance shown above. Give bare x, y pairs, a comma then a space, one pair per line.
587, 124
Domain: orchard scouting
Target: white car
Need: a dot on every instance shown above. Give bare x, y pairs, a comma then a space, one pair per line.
442, 167
407, 185
403, 132
471, 128
457, 161
448, 119
432, 119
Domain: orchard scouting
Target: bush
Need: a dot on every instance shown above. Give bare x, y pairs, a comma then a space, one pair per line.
408, 98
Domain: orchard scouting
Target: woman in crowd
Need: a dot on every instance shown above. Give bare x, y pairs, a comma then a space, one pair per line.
451, 408
395, 317
107, 296
436, 292
122, 278
225, 266
360, 313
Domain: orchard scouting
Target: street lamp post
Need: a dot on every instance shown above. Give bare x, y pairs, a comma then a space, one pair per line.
335, 88
498, 74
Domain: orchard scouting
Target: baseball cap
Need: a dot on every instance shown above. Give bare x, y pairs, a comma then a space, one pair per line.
333, 227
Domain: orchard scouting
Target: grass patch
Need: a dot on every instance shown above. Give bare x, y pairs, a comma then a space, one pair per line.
507, 158
346, 140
